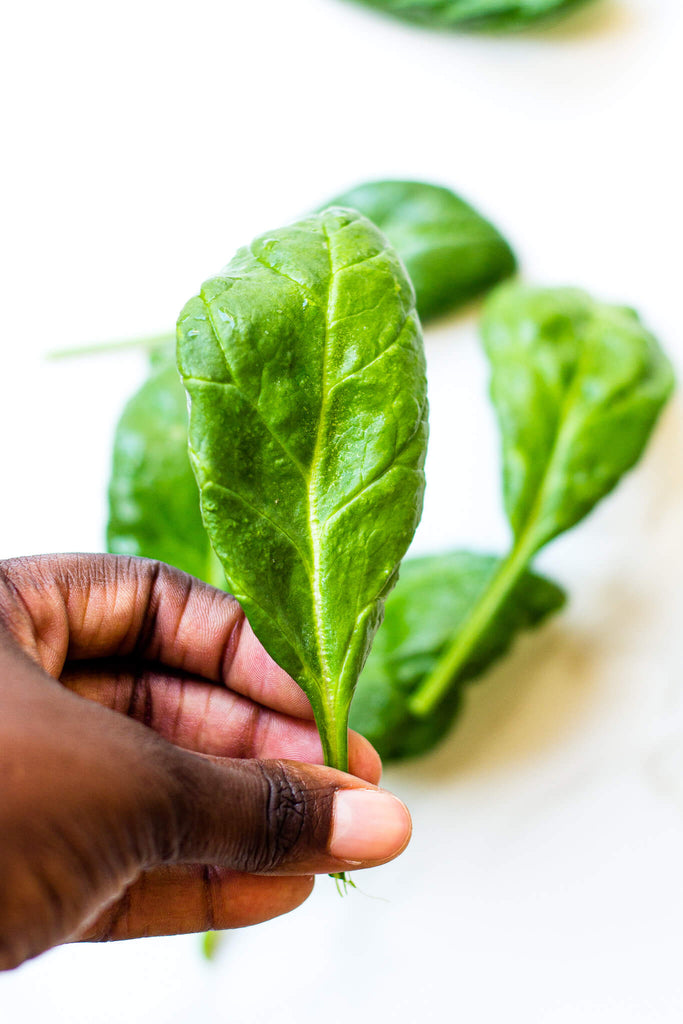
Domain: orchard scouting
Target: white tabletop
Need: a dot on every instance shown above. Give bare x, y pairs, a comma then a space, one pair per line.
144, 142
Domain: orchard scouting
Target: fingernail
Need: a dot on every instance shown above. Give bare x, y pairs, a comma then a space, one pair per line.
368, 824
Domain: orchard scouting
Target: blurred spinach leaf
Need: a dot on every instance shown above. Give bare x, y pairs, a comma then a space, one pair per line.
476, 14
153, 497
429, 605
577, 387
452, 254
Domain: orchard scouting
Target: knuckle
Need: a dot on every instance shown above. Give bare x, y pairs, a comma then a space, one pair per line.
286, 814
293, 823
33, 912
10, 957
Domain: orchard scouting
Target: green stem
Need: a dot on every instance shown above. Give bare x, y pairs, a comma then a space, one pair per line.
210, 944
434, 688
146, 344
334, 736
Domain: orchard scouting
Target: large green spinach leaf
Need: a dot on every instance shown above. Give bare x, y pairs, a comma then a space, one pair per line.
476, 14
304, 366
577, 387
153, 498
429, 605
452, 254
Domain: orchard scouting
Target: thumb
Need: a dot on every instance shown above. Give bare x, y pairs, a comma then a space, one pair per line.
271, 817
275, 817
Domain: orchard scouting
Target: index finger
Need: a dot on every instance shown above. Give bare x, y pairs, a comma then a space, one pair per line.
76, 606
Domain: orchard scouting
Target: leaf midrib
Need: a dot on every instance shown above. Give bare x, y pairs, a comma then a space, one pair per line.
313, 521
534, 516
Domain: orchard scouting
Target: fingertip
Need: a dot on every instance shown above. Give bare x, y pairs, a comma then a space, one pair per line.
364, 761
271, 897
369, 826
253, 899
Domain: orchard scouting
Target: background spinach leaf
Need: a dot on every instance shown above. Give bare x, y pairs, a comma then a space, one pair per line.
427, 608
577, 387
452, 254
153, 497
304, 365
476, 14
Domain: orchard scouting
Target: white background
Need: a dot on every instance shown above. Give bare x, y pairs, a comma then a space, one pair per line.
143, 142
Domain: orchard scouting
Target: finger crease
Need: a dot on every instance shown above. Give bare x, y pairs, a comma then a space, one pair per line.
231, 645
141, 702
150, 614
209, 877
179, 711
249, 732
120, 912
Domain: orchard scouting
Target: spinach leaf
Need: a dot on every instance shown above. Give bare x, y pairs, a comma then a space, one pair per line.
153, 498
452, 254
429, 605
476, 14
304, 366
577, 387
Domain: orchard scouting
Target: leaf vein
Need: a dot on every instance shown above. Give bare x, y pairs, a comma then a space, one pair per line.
377, 477
280, 273
313, 524
366, 366
262, 515
245, 397
358, 263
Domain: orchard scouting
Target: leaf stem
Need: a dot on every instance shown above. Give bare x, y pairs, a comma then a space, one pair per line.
145, 344
334, 735
333, 728
434, 688
211, 941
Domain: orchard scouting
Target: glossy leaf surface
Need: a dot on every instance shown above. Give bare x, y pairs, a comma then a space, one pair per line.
304, 365
577, 387
153, 497
450, 251
476, 14
429, 605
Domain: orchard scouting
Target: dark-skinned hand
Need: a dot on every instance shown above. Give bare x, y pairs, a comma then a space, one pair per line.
158, 772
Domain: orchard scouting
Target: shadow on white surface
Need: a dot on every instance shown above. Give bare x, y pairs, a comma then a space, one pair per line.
598, 19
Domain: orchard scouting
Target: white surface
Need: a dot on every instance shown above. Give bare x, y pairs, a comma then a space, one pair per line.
144, 142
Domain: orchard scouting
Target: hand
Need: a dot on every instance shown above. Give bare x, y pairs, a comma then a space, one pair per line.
174, 798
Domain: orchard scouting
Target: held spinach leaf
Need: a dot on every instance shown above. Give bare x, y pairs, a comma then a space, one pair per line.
153, 498
304, 366
429, 605
476, 14
452, 254
577, 387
